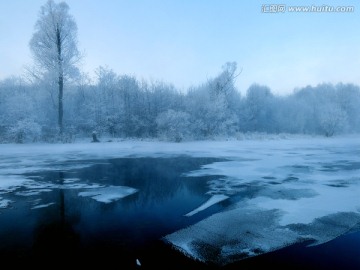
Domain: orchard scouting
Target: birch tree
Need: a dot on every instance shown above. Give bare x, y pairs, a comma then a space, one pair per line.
54, 48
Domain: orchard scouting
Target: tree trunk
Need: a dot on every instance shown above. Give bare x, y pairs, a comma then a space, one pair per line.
61, 109
61, 81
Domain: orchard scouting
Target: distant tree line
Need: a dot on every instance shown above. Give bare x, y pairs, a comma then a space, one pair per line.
121, 106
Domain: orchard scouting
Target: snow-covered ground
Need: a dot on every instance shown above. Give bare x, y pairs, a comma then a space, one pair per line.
283, 190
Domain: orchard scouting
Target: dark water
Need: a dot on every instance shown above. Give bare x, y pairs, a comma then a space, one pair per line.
75, 229
82, 232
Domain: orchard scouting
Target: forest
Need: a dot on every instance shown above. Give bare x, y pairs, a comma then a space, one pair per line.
55, 101
121, 106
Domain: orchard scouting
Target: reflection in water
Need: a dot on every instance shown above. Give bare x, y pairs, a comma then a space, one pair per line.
73, 227
56, 239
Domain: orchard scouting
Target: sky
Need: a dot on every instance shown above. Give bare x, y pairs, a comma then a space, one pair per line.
186, 42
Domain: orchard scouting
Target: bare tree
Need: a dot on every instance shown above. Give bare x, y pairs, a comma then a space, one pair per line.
54, 48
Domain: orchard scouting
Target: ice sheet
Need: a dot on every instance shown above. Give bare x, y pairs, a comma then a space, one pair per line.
283, 191
108, 194
211, 201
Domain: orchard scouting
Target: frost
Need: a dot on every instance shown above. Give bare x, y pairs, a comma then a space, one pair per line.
213, 200
108, 194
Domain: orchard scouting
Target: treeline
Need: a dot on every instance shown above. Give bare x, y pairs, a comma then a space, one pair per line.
122, 106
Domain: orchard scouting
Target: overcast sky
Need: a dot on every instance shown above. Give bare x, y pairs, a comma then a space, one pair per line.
186, 42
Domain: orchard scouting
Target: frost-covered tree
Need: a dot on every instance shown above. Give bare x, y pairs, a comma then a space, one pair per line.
290, 115
54, 48
156, 98
348, 98
332, 119
173, 125
258, 110
19, 115
213, 105
223, 84
25, 130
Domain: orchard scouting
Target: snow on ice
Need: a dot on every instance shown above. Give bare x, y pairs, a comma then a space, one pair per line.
283, 191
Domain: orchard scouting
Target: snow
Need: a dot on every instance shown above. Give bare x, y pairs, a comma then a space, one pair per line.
108, 194
211, 201
282, 190
42, 205
4, 203
9, 183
